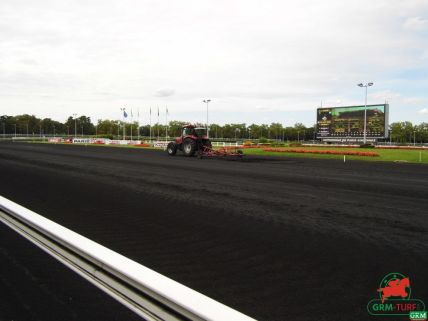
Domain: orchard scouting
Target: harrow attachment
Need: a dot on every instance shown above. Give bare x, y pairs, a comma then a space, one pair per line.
223, 152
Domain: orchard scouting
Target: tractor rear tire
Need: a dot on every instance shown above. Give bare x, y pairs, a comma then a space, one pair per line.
171, 148
189, 147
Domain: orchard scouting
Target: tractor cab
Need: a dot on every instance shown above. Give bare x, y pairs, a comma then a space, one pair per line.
191, 130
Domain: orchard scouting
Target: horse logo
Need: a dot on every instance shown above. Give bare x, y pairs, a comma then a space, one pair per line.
394, 285
395, 299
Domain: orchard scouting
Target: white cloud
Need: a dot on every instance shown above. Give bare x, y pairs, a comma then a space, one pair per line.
165, 92
415, 24
423, 111
96, 56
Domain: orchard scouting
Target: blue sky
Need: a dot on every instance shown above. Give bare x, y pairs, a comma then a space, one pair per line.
258, 61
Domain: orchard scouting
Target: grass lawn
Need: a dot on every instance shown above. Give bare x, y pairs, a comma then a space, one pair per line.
411, 156
386, 155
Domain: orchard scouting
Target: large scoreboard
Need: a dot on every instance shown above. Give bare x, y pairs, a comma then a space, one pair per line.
348, 122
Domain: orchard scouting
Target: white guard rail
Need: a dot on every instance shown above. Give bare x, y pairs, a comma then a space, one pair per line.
146, 292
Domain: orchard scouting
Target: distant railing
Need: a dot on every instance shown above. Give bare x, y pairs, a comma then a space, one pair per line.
146, 292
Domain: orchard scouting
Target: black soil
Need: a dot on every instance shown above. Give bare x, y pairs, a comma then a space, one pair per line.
275, 238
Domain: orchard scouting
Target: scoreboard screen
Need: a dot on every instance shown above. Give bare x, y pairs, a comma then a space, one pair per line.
338, 122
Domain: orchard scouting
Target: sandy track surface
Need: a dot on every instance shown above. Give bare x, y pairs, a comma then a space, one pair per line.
276, 238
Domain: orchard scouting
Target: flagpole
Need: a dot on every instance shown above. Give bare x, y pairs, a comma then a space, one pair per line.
124, 124
138, 123
150, 125
158, 123
132, 121
166, 123
123, 121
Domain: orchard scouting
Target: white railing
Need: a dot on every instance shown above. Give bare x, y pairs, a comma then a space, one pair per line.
146, 292
225, 144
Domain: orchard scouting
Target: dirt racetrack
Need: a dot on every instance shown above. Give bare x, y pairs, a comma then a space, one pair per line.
275, 238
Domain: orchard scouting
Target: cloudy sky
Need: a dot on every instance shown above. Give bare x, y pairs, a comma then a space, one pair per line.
258, 61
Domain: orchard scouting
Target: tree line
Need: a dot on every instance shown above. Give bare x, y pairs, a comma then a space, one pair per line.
30, 125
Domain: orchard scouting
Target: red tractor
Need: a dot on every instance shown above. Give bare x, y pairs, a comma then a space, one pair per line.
193, 139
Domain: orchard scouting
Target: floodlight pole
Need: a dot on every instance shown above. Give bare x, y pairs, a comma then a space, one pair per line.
207, 102
75, 125
365, 117
365, 109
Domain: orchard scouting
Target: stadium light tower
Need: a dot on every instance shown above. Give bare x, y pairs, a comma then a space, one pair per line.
207, 102
365, 108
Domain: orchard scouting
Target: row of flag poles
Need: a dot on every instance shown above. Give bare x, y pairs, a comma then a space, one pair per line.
125, 115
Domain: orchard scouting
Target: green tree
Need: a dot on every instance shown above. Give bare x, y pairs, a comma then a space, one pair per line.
77, 126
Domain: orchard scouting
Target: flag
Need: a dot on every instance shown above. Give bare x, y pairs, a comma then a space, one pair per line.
131, 113
167, 110
150, 111
158, 111
125, 114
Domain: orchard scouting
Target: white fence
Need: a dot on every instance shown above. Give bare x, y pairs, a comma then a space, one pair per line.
225, 144
148, 293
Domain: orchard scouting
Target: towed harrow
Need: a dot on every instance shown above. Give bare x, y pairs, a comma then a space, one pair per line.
221, 152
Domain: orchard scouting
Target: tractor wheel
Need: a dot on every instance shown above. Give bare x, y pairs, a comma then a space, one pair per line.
189, 147
171, 148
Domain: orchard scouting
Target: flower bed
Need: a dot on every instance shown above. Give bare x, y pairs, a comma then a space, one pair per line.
402, 147
317, 151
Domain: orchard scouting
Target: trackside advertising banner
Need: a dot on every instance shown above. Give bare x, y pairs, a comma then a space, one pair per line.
105, 141
160, 144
